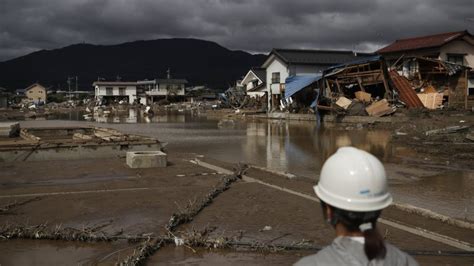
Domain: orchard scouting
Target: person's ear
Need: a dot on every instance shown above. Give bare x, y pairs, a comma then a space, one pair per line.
328, 214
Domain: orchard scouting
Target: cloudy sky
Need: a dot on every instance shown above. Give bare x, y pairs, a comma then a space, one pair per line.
251, 25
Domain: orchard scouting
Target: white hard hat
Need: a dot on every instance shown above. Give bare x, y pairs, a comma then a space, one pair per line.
353, 180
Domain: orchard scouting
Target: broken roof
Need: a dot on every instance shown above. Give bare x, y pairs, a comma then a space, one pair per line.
335, 69
450, 68
313, 57
294, 84
429, 41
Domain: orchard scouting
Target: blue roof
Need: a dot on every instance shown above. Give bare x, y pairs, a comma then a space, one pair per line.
296, 83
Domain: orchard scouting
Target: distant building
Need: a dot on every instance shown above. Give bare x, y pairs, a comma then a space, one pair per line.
455, 47
157, 89
283, 63
254, 82
116, 91
36, 93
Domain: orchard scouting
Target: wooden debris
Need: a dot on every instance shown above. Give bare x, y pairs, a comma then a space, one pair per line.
43, 231
80, 136
28, 136
379, 108
446, 130
343, 102
404, 88
431, 100
363, 96
193, 208
470, 137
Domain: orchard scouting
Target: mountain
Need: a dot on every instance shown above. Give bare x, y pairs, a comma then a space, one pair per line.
198, 61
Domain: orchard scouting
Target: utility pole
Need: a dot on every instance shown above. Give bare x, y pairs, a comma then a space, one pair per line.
69, 86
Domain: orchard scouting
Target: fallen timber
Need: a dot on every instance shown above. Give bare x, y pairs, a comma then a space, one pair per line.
65, 143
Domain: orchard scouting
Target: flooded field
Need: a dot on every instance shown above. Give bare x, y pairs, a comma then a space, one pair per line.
299, 148
93, 207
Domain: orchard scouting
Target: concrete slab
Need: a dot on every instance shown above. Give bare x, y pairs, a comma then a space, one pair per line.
146, 159
9, 129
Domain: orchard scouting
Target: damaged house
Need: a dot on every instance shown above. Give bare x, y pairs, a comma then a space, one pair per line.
365, 80
283, 63
254, 82
449, 47
438, 83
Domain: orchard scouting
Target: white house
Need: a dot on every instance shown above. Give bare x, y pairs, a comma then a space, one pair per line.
162, 88
116, 90
283, 63
254, 82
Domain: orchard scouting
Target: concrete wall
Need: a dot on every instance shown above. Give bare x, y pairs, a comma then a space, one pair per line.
130, 91
305, 69
162, 89
459, 47
36, 94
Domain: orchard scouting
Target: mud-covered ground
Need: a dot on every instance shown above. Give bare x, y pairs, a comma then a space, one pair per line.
106, 198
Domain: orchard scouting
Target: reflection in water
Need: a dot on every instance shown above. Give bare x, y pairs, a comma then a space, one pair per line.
291, 146
137, 116
295, 147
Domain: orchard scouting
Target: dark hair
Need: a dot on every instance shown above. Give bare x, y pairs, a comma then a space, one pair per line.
374, 245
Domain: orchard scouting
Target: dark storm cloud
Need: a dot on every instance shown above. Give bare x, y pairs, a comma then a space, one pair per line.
29, 25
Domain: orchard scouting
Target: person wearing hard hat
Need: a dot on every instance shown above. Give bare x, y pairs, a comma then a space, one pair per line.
353, 191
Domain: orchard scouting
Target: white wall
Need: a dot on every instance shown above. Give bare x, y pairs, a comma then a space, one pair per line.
255, 94
276, 66
130, 91
305, 69
162, 89
459, 47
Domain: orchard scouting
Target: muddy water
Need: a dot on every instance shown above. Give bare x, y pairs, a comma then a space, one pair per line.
44, 252
299, 148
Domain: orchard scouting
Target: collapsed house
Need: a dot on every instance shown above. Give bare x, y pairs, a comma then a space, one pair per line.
438, 83
66, 143
360, 87
301, 93
367, 87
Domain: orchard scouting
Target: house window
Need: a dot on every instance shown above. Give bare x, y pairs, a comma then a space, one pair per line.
109, 91
470, 91
275, 77
456, 59
121, 91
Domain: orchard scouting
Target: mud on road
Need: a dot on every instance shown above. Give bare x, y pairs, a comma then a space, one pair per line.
247, 223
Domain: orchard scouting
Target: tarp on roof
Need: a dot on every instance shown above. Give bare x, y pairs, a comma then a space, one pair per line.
294, 84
